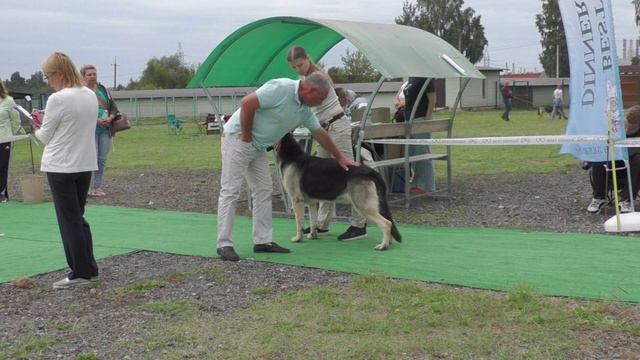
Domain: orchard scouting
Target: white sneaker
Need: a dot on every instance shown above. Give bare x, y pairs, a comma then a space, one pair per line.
595, 205
625, 207
67, 283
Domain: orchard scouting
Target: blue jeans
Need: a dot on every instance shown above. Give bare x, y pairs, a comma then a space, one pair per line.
103, 146
424, 172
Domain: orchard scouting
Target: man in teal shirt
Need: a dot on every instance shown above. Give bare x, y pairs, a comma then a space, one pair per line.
277, 107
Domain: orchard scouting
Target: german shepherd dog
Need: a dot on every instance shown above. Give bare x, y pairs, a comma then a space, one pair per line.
545, 110
310, 179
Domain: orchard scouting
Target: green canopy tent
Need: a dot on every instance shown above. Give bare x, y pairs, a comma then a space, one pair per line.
256, 53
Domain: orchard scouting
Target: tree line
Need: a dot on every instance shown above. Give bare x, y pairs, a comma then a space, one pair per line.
459, 26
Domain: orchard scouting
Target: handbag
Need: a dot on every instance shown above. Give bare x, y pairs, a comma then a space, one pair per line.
119, 123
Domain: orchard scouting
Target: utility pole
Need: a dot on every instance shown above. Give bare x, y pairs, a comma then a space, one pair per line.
558, 51
115, 72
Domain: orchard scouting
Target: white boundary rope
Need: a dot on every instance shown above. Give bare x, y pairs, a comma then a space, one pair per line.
513, 140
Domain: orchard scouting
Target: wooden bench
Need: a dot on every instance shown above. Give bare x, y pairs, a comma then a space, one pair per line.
406, 131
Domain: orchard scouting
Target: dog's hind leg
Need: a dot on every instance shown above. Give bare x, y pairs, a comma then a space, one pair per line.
313, 220
383, 224
298, 212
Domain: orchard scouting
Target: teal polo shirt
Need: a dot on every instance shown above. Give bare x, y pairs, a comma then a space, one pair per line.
280, 112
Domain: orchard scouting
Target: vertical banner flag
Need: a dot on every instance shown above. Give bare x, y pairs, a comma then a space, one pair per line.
596, 98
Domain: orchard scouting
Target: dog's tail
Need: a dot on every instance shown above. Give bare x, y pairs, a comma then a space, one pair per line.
381, 189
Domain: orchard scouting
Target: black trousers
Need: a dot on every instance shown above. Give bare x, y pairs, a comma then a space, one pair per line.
5, 154
69, 192
601, 179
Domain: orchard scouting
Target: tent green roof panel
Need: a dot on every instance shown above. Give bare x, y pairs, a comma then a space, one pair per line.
256, 52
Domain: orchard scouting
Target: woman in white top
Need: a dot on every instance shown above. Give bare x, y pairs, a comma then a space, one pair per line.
332, 117
69, 157
9, 126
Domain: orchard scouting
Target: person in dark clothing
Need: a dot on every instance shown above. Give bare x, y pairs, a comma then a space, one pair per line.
424, 179
507, 98
599, 170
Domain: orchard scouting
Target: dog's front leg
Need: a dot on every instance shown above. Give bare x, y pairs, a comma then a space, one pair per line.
298, 211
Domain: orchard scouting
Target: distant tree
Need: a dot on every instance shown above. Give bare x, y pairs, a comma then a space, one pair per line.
168, 72
635, 60
16, 82
551, 31
636, 4
358, 68
446, 19
35, 85
337, 74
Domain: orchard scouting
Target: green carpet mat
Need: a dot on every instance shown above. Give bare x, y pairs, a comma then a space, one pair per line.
576, 265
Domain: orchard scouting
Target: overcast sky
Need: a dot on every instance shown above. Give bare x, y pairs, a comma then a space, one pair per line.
135, 31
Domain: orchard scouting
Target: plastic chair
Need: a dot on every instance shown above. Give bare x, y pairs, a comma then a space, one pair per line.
174, 124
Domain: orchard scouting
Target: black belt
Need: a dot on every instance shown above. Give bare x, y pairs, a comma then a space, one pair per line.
333, 119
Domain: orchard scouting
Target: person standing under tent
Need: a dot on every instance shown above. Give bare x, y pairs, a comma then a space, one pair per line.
9, 126
69, 156
399, 103
264, 117
557, 103
424, 172
333, 119
507, 98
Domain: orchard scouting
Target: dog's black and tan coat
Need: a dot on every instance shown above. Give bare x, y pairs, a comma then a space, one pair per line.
309, 179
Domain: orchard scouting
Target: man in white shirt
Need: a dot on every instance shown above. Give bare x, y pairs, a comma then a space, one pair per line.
557, 103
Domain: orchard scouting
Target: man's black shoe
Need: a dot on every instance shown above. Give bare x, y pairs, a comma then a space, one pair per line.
354, 233
228, 254
320, 232
270, 248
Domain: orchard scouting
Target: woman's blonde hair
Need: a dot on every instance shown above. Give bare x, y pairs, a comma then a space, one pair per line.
61, 62
3, 90
84, 68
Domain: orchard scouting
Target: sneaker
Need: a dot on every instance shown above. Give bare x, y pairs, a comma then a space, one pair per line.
91, 192
270, 248
625, 206
354, 233
99, 192
320, 232
67, 283
595, 205
417, 191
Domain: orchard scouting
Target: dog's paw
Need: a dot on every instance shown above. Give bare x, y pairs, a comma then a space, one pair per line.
297, 238
312, 235
382, 246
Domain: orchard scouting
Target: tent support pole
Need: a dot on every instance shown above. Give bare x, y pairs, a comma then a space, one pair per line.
213, 104
365, 115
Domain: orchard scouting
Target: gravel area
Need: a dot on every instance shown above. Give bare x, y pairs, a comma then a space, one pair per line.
105, 319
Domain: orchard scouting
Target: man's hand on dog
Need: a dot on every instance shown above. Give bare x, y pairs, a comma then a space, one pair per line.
346, 162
